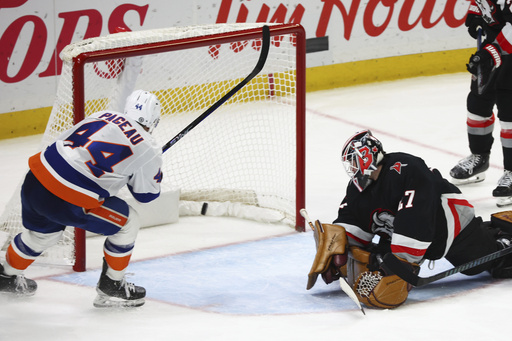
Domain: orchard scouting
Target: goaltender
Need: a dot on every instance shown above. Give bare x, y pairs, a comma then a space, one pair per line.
418, 216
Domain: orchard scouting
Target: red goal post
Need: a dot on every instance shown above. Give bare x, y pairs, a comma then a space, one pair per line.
248, 154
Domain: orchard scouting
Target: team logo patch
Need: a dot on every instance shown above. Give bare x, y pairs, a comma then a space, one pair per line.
488, 11
383, 222
398, 167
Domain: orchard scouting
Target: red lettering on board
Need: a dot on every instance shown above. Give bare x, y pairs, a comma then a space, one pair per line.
348, 11
38, 42
35, 48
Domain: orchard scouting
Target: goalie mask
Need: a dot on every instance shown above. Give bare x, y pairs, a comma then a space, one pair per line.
361, 155
143, 107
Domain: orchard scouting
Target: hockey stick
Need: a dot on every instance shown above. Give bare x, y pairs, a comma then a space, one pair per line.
304, 214
394, 265
479, 67
261, 62
343, 283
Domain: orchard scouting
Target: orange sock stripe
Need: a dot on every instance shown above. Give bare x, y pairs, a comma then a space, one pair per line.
16, 260
117, 263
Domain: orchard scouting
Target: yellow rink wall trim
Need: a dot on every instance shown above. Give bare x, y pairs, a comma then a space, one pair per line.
33, 121
386, 69
24, 123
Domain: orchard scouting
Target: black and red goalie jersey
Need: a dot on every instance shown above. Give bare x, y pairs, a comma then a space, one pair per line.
410, 206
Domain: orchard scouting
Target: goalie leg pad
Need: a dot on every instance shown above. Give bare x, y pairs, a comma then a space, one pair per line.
357, 263
502, 220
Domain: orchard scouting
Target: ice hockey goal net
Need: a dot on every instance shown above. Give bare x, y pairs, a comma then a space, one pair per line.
248, 155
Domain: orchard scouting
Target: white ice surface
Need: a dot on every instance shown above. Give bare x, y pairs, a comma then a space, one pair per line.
423, 116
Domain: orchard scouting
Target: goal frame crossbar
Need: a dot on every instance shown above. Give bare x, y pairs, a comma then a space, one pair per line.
84, 58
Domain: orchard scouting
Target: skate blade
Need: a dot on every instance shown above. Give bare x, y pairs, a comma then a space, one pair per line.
474, 179
504, 201
18, 294
104, 301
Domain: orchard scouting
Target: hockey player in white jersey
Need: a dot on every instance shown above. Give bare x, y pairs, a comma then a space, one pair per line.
74, 182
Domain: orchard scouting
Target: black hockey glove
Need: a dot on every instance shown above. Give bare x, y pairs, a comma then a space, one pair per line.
474, 22
375, 262
487, 58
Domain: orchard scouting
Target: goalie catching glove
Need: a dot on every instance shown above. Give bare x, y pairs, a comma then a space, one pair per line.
372, 285
335, 259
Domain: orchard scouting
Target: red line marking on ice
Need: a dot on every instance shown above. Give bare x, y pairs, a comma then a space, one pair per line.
385, 133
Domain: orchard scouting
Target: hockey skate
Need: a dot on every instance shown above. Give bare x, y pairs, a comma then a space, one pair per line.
471, 169
117, 294
503, 192
16, 284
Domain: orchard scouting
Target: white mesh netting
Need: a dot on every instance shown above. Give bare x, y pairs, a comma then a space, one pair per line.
243, 154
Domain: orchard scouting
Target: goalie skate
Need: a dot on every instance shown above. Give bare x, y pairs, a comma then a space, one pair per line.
471, 169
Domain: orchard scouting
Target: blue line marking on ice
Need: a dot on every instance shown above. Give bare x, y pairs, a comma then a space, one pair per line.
260, 277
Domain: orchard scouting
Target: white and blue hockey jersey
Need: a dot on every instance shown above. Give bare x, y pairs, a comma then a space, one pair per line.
97, 157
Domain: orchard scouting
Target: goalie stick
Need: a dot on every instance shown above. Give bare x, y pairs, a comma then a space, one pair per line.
305, 215
343, 283
259, 66
394, 265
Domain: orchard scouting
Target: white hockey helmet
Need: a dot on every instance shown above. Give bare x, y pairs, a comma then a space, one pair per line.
143, 107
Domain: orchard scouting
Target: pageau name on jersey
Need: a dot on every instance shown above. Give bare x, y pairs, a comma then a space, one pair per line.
108, 140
